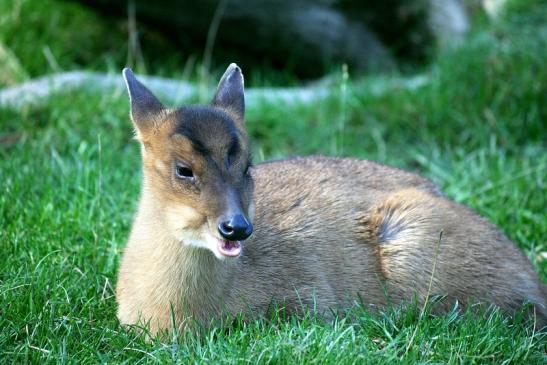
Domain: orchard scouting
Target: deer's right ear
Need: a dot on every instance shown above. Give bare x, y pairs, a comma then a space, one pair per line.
230, 94
146, 109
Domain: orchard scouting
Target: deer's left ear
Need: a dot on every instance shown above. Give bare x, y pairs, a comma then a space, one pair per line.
230, 91
145, 107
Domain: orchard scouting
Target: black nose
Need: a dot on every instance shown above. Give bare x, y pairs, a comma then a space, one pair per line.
237, 228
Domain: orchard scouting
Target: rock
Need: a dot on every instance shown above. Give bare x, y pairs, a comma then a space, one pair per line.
304, 37
448, 20
176, 92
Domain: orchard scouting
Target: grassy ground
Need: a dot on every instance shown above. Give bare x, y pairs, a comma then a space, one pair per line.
70, 175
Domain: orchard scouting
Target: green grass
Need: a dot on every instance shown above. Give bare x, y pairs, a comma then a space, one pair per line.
70, 175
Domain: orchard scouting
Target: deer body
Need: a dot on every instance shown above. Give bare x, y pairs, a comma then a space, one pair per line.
326, 230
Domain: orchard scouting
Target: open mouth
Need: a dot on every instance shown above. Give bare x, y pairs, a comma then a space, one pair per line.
229, 248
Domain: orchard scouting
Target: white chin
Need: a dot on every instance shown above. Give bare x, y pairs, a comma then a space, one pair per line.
222, 249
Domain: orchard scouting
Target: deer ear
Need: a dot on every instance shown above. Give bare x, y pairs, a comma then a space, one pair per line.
145, 107
230, 91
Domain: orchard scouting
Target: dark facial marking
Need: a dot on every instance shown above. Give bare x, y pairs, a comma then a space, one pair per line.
212, 133
233, 149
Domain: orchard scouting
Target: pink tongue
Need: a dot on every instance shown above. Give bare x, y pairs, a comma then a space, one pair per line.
229, 248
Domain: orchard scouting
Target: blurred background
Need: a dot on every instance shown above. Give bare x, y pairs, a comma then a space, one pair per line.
464, 70
278, 41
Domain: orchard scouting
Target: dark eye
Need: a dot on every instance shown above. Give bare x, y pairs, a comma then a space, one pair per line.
184, 172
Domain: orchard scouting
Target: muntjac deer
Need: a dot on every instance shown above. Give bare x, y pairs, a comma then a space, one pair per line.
215, 235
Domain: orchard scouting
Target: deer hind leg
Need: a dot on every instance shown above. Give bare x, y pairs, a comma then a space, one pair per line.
405, 228
470, 262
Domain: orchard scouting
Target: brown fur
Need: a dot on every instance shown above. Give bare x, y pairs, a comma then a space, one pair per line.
327, 230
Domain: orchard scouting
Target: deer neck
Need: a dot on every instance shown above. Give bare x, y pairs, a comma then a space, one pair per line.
190, 279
